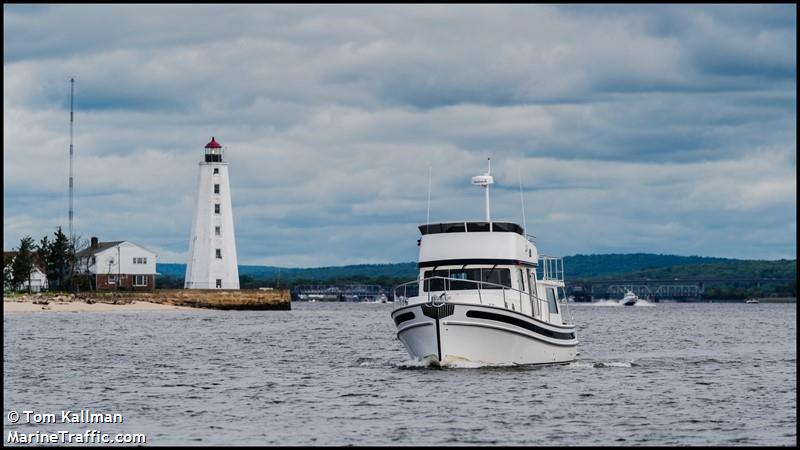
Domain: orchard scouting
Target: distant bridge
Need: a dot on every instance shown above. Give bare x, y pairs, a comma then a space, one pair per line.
675, 288
337, 292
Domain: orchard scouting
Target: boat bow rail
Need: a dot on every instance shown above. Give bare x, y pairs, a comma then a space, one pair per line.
511, 297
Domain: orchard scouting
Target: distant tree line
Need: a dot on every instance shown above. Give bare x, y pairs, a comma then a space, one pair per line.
637, 266
254, 282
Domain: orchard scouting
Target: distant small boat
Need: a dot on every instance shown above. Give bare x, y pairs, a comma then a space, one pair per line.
629, 299
752, 300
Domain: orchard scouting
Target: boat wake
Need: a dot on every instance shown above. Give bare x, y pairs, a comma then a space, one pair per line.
610, 302
606, 303
450, 364
588, 364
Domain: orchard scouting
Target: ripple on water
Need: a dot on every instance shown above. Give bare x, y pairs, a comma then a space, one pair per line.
335, 374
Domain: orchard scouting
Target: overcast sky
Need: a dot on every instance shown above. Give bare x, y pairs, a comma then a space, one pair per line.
651, 128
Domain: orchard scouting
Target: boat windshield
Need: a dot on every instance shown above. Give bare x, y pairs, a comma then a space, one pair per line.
470, 227
472, 279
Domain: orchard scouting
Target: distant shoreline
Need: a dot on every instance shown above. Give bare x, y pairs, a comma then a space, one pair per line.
27, 305
157, 300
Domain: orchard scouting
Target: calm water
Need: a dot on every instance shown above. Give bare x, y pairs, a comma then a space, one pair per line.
334, 374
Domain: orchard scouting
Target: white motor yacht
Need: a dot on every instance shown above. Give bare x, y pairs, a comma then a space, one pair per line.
484, 295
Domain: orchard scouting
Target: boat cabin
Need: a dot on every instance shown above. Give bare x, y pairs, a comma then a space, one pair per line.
490, 263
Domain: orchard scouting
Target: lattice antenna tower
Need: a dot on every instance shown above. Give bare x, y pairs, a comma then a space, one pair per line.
71, 151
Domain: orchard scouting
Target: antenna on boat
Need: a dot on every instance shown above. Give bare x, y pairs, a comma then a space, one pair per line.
428, 220
485, 180
522, 201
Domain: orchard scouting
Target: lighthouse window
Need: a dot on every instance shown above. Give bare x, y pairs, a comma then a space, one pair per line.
219, 283
219, 253
217, 231
216, 170
216, 208
216, 189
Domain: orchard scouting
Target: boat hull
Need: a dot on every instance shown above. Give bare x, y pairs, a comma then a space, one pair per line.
457, 332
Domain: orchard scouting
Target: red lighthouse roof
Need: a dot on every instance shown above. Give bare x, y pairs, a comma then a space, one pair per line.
213, 143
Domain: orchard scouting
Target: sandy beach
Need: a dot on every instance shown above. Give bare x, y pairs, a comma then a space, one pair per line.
15, 306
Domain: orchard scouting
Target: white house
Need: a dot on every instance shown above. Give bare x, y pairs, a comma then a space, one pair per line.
37, 280
118, 265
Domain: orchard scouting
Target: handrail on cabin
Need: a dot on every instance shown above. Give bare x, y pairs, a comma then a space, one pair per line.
533, 298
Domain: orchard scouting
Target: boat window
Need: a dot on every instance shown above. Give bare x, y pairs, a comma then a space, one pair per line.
453, 227
460, 227
470, 277
496, 276
506, 226
430, 229
551, 300
521, 281
436, 284
478, 226
465, 274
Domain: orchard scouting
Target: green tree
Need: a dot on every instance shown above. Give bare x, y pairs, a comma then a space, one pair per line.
23, 263
61, 260
7, 278
43, 257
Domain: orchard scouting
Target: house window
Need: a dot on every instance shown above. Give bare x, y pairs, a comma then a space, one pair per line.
219, 253
140, 260
216, 208
216, 171
112, 279
219, 282
216, 189
140, 280
217, 231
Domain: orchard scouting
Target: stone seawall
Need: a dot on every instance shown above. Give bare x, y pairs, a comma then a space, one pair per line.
243, 299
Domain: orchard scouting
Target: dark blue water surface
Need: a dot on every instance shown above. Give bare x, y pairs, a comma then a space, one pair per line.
335, 374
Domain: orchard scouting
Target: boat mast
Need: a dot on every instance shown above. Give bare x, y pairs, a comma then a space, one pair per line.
485, 180
522, 201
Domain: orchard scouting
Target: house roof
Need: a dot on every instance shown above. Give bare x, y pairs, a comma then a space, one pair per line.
8, 257
88, 251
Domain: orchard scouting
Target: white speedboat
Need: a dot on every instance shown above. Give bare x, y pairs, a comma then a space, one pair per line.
478, 297
629, 299
752, 300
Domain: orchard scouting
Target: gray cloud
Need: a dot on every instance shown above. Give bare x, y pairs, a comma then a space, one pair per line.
664, 128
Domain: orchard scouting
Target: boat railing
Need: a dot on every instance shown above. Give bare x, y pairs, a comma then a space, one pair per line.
550, 268
566, 312
510, 295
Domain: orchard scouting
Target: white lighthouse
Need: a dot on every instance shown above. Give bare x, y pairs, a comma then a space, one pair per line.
212, 246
